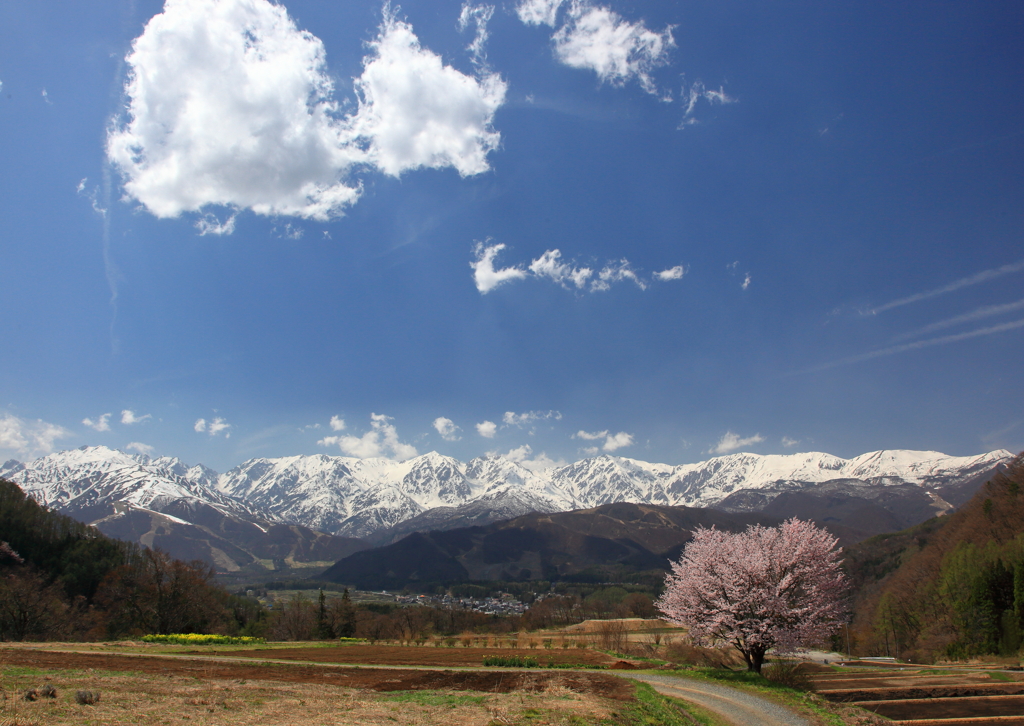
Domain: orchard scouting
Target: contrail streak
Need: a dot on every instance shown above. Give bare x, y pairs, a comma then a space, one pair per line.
977, 314
893, 350
979, 277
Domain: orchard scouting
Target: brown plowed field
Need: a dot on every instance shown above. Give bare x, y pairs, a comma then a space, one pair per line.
376, 679
936, 696
393, 655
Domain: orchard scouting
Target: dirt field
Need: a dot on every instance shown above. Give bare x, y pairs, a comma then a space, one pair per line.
177, 691
421, 655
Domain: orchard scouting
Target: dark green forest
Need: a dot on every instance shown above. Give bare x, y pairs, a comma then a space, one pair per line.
952, 587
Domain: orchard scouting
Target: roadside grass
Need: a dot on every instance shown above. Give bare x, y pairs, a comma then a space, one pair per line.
653, 709
806, 702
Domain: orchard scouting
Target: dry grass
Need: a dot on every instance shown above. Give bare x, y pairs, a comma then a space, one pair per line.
132, 698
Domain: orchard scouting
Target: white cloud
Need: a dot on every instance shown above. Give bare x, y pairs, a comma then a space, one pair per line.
611, 441
618, 441
601, 40
539, 12
209, 224
746, 281
447, 428
484, 274
487, 429
672, 273
480, 16
102, 423
213, 427
529, 417
230, 104
29, 438
380, 441
522, 456
788, 442
590, 450
140, 447
129, 417
337, 423
416, 112
616, 272
697, 93
731, 442
46, 98
548, 265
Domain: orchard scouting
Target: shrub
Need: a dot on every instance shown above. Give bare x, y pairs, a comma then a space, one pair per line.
205, 639
511, 661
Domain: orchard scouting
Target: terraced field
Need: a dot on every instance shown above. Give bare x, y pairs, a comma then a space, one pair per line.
916, 696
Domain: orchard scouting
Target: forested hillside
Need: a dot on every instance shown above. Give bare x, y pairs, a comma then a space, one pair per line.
952, 587
61, 579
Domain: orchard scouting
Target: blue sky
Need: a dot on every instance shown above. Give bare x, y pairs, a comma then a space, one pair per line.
662, 230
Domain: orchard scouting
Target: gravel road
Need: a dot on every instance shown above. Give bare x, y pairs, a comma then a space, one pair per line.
738, 707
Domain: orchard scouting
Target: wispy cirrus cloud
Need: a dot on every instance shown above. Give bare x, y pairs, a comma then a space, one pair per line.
478, 16
552, 267
230, 105
698, 93
527, 418
139, 447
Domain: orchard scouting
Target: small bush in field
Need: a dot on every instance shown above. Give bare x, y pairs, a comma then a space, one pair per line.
511, 661
787, 673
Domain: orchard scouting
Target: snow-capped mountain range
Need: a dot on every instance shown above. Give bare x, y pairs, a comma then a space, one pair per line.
357, 497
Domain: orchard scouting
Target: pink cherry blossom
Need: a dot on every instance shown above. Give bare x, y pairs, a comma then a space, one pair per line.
768, 587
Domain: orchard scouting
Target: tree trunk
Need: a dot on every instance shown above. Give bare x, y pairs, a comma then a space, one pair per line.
754, 658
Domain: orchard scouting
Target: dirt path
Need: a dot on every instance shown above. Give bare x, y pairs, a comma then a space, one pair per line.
738, 707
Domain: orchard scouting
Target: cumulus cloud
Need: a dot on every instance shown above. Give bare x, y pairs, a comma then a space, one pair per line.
523, 456
213, 427
512, 418
746, 281
102, 423
337, 423
230, 104
129, 417
447, 428
616, 272
140, 447
788, 442
611, 441
380, 441
487, 429
550, 266
598, 39
731, 442
484, 275
672, 273
539, 12
29, 438
617, 441
417, 112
